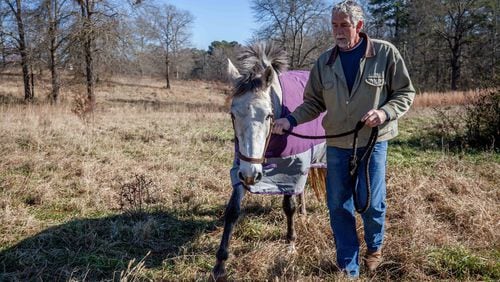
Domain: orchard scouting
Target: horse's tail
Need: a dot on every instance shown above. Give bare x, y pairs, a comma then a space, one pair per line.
317, 180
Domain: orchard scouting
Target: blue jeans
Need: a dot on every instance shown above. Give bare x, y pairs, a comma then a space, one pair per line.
341, 205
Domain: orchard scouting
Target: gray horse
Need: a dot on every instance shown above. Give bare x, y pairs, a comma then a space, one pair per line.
266, 163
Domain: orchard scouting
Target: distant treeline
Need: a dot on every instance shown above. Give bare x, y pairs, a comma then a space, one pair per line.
447, 44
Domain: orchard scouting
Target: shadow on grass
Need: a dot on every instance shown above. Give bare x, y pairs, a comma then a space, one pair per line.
257, 209
6, 99
99, 249
111, 82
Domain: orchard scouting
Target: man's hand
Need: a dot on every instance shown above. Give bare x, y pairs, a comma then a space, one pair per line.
374, 118
280, 125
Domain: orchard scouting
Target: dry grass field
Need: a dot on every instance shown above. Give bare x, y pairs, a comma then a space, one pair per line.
137, 191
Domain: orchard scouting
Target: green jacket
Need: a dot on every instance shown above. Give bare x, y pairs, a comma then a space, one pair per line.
382, 83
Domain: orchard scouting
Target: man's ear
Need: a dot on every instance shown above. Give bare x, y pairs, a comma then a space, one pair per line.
359, 26
232, 72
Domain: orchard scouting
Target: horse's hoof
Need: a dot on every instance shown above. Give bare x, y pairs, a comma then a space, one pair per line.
218, 273
292, 250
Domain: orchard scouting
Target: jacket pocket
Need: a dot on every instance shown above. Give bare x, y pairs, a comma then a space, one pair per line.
375, 80
328, 85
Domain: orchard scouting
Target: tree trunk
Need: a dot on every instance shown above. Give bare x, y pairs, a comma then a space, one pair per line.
2, 38
455, 65
455, 72
32, 76
55, 78
28, 95
89, 71
52, 10
87, 49
2, 48
494, 49
26, 79
167, 70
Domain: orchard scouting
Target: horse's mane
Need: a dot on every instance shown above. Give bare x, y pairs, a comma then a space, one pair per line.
253, 61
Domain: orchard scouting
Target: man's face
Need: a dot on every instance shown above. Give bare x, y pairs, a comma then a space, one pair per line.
345, 33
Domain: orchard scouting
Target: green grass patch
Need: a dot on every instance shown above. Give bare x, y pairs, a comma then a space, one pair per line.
24, 169
418, 145
460, 263
59, 211
255, 229
101, 261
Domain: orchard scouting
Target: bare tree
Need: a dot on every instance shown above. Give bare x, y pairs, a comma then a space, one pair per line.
295, 25
456, 29
16, 9
94, 26
53, 30
56, 37
88, 36
183, 63
438, 38
3, 41
169, 29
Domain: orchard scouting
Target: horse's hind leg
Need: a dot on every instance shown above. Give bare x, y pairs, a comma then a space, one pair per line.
230, 216
289, 208
302, 202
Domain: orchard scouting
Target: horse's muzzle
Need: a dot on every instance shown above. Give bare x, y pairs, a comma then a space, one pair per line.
250, 180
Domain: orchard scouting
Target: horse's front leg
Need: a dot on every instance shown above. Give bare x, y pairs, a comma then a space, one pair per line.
230, 216
289, 208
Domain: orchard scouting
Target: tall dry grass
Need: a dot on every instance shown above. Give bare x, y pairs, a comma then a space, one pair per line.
61, 180
451, 98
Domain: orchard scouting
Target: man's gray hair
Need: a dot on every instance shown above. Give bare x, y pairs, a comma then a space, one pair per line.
351, 8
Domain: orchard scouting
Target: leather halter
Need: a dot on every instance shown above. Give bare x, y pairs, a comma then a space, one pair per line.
261, 160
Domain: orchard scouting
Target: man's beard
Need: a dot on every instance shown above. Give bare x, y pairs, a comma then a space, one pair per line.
343, 43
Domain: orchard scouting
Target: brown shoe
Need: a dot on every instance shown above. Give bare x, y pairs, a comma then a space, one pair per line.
373, 259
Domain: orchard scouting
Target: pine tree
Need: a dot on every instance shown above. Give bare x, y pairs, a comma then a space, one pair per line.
390, 18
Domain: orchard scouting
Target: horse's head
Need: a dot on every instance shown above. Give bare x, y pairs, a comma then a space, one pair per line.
252, 114
255, 101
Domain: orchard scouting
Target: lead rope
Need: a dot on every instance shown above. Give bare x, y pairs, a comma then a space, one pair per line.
354, 163
353, 160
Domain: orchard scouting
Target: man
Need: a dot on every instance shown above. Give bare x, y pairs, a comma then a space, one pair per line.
359, 79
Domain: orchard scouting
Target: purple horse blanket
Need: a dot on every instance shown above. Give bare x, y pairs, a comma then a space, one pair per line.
292, 86
289, 158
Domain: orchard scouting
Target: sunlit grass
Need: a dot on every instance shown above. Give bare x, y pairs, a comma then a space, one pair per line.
61, 178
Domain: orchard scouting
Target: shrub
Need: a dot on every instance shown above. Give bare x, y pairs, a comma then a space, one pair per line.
482, 121
135, 196
474, 125
82, 106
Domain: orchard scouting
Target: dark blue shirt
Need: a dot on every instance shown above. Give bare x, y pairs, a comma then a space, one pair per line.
350, 62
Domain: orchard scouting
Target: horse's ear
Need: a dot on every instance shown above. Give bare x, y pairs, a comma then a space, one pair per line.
268, 76
232, 72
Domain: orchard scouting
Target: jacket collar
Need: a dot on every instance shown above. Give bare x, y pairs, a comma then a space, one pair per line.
370, 50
